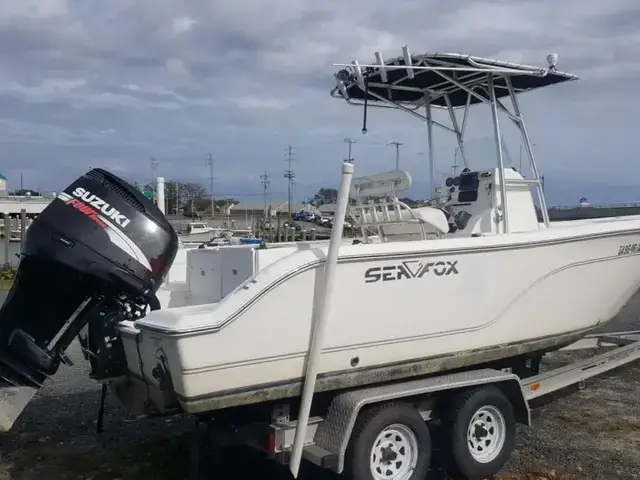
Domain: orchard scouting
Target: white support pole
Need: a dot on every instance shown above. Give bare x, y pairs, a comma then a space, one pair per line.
454, 122
320, 324
432, 167
478, 96
160, 193
496, 133
463, 127
527, 143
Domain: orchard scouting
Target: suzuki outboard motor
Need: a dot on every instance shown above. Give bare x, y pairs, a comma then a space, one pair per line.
96, 255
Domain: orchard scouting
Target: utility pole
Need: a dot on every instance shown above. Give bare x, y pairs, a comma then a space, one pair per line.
397, 145
177, 186
290, 176
264, 179
154, 175
210, 163
350, 141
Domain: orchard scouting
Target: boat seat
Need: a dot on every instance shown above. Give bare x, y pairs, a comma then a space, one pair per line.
433, 217
391, 219
394, 221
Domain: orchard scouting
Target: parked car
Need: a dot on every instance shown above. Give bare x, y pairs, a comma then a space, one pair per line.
300, 216
325, 221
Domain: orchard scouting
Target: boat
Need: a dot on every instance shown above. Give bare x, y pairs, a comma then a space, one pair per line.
233, 240
469, 281
498, 279
200, 232
225, 237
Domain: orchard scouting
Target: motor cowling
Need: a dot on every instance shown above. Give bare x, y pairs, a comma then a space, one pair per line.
97, 254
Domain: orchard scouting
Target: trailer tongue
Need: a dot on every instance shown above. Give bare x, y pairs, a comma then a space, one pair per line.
99, 251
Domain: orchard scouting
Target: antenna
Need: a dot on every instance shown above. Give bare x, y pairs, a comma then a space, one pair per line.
397, 145
349, 141
290, 176
264, 179
210, 163
154, 174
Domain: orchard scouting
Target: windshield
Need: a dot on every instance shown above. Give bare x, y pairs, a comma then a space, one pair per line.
480, 154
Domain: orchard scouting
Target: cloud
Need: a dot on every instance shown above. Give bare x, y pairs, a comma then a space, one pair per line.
113, 83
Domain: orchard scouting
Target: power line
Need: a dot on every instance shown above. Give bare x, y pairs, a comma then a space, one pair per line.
264, 179
349, 141
397, 145
290, 176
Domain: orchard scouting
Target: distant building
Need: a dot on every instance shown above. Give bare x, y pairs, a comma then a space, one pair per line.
584, 202
3, 185
257, 209
328, 209
308, 208
243, 209
283, 208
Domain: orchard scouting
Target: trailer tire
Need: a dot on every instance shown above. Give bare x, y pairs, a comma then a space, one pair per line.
480, 432
396, 431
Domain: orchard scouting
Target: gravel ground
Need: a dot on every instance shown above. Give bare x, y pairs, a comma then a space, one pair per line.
593, 434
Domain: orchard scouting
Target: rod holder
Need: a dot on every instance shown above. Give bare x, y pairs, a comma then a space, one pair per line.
320, 324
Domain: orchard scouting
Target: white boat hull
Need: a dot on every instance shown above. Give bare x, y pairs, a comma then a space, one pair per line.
198, 237
480, 299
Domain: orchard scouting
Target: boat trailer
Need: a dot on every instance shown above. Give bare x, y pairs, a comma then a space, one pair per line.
332, 441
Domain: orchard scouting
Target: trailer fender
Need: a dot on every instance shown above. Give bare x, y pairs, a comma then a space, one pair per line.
334, 433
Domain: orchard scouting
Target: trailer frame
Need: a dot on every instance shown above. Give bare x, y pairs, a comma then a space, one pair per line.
327, 437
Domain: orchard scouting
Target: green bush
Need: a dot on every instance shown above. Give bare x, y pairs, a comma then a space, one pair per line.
8, 272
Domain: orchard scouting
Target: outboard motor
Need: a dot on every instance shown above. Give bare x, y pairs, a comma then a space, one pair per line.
94, 257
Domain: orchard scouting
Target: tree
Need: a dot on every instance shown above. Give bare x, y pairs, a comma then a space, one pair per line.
323, 196
183, 195
25, 192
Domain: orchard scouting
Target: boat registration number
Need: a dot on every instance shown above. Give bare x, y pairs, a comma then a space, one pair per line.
629, 249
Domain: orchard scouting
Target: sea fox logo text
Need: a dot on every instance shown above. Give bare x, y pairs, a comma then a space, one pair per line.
100, 206
410, 269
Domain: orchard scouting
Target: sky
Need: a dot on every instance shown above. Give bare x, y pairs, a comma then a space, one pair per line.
111, 84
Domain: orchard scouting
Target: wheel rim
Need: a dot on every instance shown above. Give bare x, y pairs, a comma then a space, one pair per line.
486, 434
394, 454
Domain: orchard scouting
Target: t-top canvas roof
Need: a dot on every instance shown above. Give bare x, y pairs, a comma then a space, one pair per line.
445, 76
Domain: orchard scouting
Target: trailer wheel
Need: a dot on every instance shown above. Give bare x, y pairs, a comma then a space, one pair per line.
389, 442
480, 432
